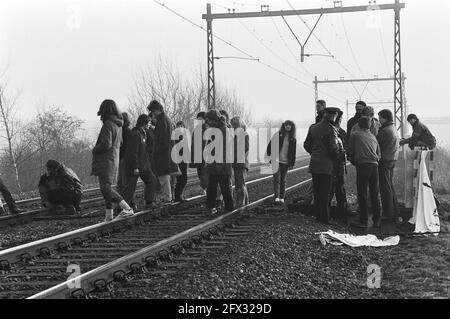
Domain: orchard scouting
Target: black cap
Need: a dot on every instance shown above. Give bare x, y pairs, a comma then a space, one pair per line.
332, 110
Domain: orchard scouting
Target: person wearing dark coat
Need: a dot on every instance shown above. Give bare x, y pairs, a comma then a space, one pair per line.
183, 166
126, 132
364, 153
105, 158
282, 158
320, 110
197, 148
137, 164
8, 199
240, 163
421, 136
164, 166
219, 169
374, 123
60, 186
388, 140
360, 105
322, 142
339, 170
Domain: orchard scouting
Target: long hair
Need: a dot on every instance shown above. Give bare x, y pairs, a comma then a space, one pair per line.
238, 122
292, 133
108, 108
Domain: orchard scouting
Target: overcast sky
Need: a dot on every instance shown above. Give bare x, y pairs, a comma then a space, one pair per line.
77, 53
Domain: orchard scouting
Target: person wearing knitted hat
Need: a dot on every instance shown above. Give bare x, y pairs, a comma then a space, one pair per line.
421, 136
388, 140
364, 153
60, 187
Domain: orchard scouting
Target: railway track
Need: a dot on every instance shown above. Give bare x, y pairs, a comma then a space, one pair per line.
92, 199
109, 252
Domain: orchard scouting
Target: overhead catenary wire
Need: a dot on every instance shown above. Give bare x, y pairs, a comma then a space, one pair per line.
242, 51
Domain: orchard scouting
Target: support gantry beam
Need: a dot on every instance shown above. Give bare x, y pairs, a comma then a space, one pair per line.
399, 115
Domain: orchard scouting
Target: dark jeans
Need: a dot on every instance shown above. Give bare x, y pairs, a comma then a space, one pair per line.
61, 197
150, 184
367, 176
322, 187
387, 190
225, 187
279, 181
109, 194
338, 190
181, 181
7, 196
121, 181
202, 175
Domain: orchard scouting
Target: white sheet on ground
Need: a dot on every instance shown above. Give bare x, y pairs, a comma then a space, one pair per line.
334, 238
425, 214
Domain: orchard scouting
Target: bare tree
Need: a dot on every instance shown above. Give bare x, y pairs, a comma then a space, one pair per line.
11, 126
182, 97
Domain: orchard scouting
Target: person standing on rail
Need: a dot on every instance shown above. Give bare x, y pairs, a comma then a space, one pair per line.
9, 200
283, 158
181, 179
137, 164
360, 105
322, 142
388, 140
162, 149
105, 158
197, 148
126, 132
364, 153
421, 136
219, 168
240, 163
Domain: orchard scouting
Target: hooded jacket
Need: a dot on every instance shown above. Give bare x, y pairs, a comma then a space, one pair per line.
105, 155
65, 180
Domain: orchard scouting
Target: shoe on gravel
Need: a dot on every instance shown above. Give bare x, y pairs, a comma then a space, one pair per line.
212, 212
281, 200
277, 200
126, 213
16, 211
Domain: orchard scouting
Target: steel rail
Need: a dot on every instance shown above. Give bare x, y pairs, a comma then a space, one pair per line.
122, 265
27, 251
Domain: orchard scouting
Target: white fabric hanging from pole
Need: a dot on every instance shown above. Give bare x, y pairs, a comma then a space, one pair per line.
425, 214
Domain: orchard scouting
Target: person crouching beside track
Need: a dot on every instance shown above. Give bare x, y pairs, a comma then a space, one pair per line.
322, 142
219, 169
421, 136
240, 163
138, 164
105, 158
283, 158
364, 153
60, 186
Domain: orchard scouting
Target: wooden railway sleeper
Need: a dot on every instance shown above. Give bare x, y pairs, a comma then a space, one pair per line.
5, 265
137, 268
79, 294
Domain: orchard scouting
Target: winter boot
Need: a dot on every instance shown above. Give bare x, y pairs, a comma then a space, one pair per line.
109, 214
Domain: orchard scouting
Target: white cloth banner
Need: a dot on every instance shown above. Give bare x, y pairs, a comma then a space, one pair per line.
425, 214
331, 237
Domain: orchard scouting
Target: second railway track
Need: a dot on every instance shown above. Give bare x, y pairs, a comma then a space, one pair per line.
30, 269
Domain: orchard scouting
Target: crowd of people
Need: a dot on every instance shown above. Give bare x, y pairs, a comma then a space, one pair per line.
372, 146
123, 154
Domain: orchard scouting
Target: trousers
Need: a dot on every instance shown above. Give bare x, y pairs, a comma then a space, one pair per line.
322, 187
367, 177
